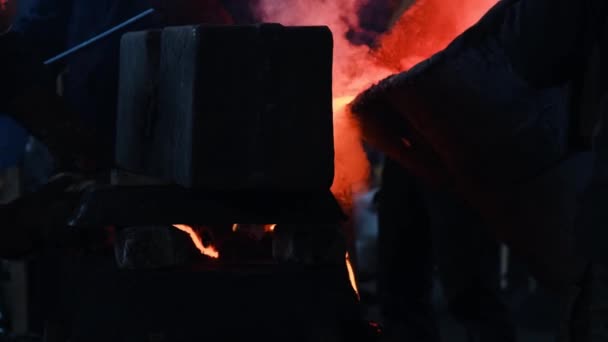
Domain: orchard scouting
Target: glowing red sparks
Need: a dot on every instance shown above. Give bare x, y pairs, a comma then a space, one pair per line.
209, 251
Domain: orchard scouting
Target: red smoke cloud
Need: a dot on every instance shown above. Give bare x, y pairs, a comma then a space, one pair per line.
424, 29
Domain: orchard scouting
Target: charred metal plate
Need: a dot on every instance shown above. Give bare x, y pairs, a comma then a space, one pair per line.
167, 205
239, 108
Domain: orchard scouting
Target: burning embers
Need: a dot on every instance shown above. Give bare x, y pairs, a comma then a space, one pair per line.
204, 242
205, 247
254, 229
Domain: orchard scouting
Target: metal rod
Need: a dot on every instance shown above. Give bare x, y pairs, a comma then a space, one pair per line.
99, 36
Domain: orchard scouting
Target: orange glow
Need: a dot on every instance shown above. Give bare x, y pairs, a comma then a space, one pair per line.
340, 103
209, 251
269, 228
351, 166
352, 73
351, 276
424, 29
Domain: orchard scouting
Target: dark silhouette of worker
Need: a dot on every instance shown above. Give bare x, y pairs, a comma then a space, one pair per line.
91, 75
422, 229
471, 119
78, 128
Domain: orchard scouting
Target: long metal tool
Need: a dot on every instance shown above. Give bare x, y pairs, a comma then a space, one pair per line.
99, 36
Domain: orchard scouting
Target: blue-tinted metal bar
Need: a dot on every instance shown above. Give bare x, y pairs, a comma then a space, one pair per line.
100, 36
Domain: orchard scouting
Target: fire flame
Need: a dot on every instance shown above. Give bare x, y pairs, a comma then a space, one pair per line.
209, 251
269, 228
351, 276
212, 252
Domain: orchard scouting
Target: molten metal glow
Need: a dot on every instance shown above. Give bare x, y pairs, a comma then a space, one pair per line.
351, 166
269, 228
351, 74
423, 29
340, 103
209, 251
351, 276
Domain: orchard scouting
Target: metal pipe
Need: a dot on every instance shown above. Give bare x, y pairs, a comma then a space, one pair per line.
99, 36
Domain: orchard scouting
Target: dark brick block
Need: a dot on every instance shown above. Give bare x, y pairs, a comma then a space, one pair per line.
239, 108
136, 143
